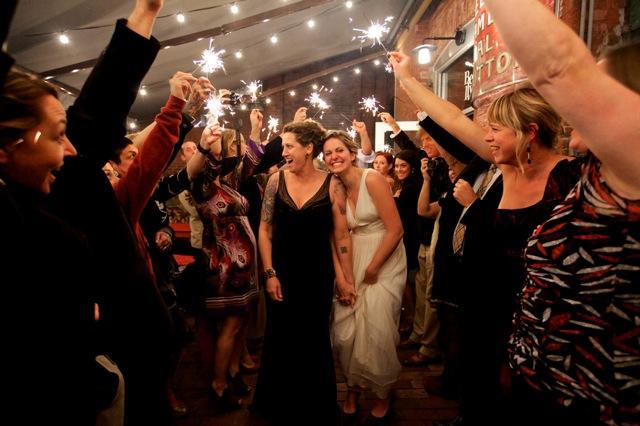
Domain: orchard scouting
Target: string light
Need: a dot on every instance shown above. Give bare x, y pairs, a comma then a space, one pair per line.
64, 39
180, 18
335, 79
311, 23
292, 93
376, 62
238, 54
274, 39
268, 101
142, 91
235, 9
357, 70
349, 4
133, 125
314, 86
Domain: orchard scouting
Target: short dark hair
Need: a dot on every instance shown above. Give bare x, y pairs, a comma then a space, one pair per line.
308, 132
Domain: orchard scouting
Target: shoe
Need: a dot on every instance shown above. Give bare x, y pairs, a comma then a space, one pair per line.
227, 401
409, 344
456, 421
351, 418
177, 407
238, 386
418, 360
250, 370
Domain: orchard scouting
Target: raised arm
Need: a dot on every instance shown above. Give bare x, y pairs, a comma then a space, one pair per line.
265, 236
97, 118
196, 164
560, 66
443, 112
365, 141
379, 190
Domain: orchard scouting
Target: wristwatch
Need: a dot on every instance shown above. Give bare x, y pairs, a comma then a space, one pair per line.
269, 273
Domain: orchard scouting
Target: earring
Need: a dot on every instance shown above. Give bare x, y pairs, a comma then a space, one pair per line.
306, 155
529, 154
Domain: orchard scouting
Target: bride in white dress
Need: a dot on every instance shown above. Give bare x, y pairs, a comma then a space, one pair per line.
365, 330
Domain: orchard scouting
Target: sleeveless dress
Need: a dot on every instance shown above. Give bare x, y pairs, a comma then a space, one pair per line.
297, 360
365, 336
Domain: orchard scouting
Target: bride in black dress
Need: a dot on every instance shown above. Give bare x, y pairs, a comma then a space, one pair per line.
303, 230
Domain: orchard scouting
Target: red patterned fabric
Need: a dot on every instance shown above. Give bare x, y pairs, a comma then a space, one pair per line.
577, 328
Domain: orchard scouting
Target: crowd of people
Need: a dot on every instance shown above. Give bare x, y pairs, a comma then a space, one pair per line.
516, 265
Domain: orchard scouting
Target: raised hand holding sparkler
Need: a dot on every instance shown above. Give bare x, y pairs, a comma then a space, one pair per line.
216, 105
255, 117
300, 115
199, 93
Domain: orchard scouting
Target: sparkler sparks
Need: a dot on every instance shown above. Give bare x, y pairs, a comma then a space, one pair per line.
371, 105
215, 108
375, 32
252, 89
272, 124
316, 101
351, 131
211, 60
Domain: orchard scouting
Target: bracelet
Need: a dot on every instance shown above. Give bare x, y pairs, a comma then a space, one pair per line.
202, 150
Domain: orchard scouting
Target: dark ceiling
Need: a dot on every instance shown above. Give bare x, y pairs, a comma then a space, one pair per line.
33, 39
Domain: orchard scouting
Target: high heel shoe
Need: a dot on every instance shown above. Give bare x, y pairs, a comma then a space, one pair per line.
238, 385
227, 401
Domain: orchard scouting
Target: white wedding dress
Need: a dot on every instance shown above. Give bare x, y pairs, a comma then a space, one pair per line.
365, 336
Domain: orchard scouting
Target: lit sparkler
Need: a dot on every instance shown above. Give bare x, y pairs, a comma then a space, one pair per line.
351, 131
316, 101
211, 60
272, 125
216, 107
375, 32
252, 89
371, 105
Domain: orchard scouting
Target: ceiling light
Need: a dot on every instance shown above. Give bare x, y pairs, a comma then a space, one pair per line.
292, 93
243, 107
239, 54
167, 47
266, 20
376, 62
357, 70
49, 77
274, 39
335, 79
311, 23
268, 101
180, 18
349, 4
142, 91
64, 39
235, 9
75, 70
133, 125
314, 86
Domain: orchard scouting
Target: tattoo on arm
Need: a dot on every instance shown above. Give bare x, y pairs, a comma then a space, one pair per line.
343, 250
268, 203
340, 195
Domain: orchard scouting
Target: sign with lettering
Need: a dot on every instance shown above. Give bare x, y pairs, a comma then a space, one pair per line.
494, 65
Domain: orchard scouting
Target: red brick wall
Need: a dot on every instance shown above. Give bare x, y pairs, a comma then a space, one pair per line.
442, 18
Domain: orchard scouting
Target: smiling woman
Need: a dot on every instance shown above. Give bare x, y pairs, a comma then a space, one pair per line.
33, 142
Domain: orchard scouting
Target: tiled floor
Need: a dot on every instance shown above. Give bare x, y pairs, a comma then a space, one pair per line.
413, 407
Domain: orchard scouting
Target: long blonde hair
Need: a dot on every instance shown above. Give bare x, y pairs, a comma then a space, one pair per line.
518, 109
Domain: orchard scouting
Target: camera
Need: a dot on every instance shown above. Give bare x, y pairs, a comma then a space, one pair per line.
234, 99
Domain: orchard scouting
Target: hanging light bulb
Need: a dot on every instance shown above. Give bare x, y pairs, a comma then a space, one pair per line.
235, 9
64, 38
180, 18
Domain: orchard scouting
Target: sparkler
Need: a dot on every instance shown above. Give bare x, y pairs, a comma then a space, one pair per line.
316, 101
272, 125
215, 108
351, 131
374, 33
252, 89
211, 60
371, 105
